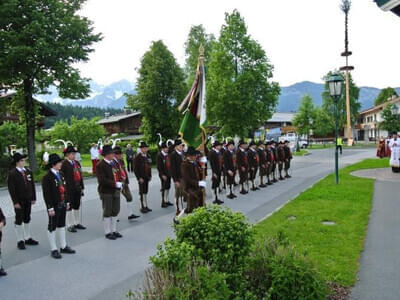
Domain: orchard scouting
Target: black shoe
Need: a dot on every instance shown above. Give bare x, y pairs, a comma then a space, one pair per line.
215, 202
72, 229
55, 254
243, 192
234, 196
269, 183
220, 201
263, 185
288, 176
231, 196
110, 236
148, 209
253, 189
170, 204
21, 245
67, 250
176, 221
164, 205
80, 226
31, 242
275, 180
281, 178
143, 210
2, 272
132, 216
117, 234
257, 188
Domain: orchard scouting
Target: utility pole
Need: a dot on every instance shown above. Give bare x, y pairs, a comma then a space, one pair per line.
346, 4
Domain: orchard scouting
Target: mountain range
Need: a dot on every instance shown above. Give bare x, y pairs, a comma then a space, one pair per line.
112, 96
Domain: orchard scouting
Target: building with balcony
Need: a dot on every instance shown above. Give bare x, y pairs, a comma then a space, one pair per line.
367, 127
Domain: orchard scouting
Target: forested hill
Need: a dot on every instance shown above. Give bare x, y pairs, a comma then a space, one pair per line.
65, 112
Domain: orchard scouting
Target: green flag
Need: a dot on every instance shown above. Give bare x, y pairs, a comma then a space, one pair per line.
191, 130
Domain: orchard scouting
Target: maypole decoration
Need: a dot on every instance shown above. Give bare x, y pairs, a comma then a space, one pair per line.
192, 129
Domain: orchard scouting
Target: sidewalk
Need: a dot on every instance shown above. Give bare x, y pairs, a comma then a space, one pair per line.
379, 274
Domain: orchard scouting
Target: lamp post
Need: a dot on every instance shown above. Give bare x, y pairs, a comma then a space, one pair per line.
335, 83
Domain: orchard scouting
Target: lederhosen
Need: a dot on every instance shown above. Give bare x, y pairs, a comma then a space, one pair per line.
281, 158
72, 171
288, 157
21, 187
263, 161
54, 194
253, 164
230, 165
142, 169
164, 169
191, 175
216, 162
270, 162
109, 193
242, 162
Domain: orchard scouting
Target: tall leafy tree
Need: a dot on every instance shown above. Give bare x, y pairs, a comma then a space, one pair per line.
385, 95
391, 122
241, 95
322, 124
82, 132
11, 133
40, 41
355, 105
197, 36
306, 115
160, 88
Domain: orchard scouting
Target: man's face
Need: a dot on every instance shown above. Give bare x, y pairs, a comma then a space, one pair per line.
218, 148
165, 149
71, 156
179, 147
21, 163
57, 166
109, 156
230, 147
118, 156
144, 150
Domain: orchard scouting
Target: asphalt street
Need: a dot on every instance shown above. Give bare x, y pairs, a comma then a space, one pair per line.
104, 269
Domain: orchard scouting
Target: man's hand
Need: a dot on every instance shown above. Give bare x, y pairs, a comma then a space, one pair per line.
1, 225
164, 177
214, 175
230, 173
141, 180
17, 206
52, 213
177, 184
68, 206
243, 169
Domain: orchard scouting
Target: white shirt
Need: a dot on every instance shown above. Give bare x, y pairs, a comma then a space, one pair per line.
393, 143
94, 153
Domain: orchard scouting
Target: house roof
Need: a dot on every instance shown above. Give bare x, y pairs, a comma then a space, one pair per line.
281, 117
379, 107
117, 118
44, 109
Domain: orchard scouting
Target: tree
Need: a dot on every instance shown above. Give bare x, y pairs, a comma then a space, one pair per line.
322, 124
240, 95
385, 95
40, 41
305, 117
81, 132
328, 103
160, 88
11, 133
197, 36
390, 121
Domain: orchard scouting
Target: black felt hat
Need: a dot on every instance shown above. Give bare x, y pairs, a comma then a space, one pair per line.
70, 149
178, 142
117, 150
107, 149
53, 159
216, 143
241, 142
142, 144
163, 145
231, 142
17, 157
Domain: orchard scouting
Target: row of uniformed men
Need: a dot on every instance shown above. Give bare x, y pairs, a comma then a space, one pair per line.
63, 184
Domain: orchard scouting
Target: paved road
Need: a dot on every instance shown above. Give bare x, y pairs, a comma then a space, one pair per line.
379, 274
104, 269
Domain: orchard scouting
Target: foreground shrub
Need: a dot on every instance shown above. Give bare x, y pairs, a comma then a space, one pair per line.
276, 271
195, 281
219, 236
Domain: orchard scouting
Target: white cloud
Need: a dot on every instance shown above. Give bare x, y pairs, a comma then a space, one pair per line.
303, 39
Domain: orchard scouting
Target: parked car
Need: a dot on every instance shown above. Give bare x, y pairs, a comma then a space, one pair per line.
293, 138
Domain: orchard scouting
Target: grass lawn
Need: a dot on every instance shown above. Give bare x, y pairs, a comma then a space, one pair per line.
86, 161
335, 250
331, 145
302, 152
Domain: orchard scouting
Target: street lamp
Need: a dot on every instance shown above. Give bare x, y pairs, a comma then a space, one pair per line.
335, 84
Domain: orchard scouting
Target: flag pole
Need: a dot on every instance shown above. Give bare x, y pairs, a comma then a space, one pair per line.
203, 135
